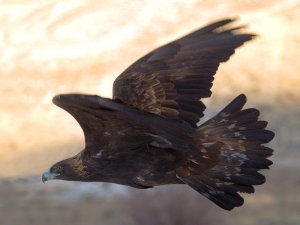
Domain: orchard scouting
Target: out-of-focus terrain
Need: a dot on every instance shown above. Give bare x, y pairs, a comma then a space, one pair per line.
52, 47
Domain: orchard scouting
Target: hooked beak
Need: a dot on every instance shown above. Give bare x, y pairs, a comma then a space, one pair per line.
47, 176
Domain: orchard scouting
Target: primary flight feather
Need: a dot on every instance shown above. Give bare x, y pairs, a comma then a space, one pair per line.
149, 133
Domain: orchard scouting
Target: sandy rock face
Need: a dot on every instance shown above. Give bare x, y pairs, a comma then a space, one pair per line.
52, 47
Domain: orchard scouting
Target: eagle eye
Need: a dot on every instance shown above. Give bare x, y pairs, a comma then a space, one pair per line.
58, 168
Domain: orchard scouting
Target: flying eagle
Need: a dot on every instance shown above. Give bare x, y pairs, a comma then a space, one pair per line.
149, 134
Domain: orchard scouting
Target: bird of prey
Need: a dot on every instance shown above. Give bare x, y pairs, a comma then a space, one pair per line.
149, 133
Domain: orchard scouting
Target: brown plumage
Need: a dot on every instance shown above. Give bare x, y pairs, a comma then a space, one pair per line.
149, 135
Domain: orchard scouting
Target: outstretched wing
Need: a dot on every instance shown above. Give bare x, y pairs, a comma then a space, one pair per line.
171, 80
104, 128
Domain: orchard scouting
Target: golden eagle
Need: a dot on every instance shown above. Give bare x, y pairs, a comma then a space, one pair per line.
148, 134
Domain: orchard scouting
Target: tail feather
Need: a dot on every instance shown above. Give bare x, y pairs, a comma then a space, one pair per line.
248, 160
210, 190
229, 155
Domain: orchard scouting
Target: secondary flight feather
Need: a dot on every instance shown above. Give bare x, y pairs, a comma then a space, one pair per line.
149, 133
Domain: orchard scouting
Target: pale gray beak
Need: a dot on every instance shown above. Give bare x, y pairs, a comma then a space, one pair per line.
47, 176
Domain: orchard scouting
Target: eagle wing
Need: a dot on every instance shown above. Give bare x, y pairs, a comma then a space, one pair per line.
171, 80
106, 130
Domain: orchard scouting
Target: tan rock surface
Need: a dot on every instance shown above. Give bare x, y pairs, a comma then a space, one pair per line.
51, 47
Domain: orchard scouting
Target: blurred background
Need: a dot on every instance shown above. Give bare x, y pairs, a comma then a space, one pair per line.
52, 47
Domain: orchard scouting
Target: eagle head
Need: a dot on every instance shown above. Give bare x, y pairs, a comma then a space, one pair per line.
68, 169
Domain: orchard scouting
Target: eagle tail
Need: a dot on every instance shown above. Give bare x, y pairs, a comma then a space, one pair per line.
228, 155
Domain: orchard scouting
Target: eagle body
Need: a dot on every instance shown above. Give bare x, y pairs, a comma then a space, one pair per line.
149, 133
123, 154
